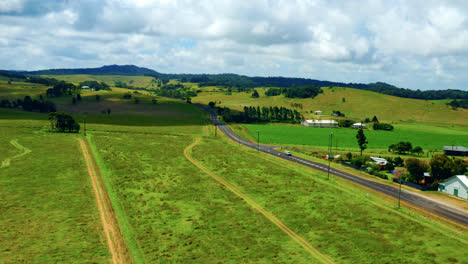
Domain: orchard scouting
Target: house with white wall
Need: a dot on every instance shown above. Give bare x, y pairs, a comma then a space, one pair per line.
456, 185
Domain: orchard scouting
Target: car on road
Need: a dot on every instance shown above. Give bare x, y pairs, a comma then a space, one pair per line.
288, 153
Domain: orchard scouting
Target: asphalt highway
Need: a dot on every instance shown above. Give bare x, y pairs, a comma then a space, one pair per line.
406, 196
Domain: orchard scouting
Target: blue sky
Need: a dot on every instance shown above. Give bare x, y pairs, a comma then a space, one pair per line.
411, 44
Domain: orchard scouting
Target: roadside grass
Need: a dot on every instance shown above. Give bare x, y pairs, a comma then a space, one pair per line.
428, 138
175, 213
48, 212
358, 105
346, 225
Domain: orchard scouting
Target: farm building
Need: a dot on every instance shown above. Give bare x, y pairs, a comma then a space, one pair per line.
455, 151
84, 87
456, 185
359, 125
320, 123
317, 112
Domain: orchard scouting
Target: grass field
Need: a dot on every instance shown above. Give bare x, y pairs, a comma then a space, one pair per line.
136, 81
48, 212
18, 90
343, 222
426, 137
358, 105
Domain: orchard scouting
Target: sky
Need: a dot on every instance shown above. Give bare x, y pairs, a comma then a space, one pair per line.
410, 44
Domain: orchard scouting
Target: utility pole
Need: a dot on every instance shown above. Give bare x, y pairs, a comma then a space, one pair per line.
258, 140
330, 146
399, 193
86, 115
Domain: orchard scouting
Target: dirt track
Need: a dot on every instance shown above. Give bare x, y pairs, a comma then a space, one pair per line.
114, 238
301, 241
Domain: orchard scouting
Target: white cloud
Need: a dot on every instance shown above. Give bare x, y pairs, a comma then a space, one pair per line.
415, 44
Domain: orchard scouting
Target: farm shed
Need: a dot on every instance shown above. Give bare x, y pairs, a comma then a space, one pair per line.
379, 161
320, 123
318, 112
456, 185
455, 151
359, 125
85, 87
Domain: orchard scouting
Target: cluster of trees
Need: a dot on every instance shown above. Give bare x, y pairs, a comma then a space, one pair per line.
382, 126
459, 103
259, 114
63, 122
29, 104
405, 147
337, 113
309, 91
61, 88
176, 91
95, 85
440, 168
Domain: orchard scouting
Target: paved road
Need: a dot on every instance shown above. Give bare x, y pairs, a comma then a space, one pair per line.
407, 196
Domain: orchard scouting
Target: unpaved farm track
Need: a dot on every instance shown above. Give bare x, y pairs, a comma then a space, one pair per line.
15, 143
112, 232
301, 241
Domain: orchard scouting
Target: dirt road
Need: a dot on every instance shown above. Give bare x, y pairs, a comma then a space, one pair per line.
301, 241
112, 233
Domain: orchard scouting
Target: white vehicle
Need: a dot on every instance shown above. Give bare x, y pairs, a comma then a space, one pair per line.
288, 153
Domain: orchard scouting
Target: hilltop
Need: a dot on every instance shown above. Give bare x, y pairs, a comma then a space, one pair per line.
129, 70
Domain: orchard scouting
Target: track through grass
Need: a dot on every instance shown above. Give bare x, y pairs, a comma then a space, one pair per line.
14, 142
306, 245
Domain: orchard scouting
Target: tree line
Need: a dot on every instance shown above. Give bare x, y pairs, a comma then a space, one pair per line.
259, 114
308, 91
29, 104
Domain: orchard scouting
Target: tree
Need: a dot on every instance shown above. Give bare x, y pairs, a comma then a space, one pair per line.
441, 167
78, 97
361, 140
255, 94
343, 100
417, 150
137, 100
398, 162
154, 101
416, 169
74, 100
459, 166
98, 97
108, 111
211, 104
375, 120
63, 121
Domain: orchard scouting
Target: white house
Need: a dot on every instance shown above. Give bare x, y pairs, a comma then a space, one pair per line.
85, 87
317, 112
379, 161
320, 123
456, 185
359, 125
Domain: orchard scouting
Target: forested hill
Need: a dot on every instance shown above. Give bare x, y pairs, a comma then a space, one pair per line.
242, 82
129, 70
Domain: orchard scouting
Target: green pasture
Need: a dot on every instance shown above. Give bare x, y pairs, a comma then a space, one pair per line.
357, 104
48, 210
136, 81
427, 137
18, 90
346, 223
172, 212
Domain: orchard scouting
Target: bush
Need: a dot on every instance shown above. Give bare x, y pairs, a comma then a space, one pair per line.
359, 161
127, 96
382, 126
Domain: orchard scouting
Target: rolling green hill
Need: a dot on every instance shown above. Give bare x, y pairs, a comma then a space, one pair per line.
355, 104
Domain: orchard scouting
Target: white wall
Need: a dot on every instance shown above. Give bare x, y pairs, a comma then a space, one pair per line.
455, 183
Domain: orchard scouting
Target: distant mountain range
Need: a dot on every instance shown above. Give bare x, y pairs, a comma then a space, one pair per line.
240, 81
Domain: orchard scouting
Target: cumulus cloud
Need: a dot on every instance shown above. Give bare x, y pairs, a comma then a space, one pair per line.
416, 44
